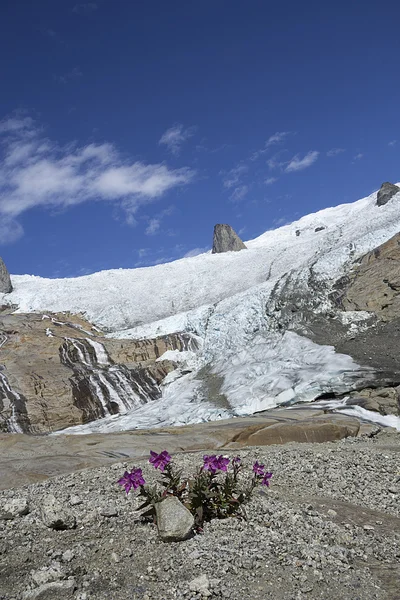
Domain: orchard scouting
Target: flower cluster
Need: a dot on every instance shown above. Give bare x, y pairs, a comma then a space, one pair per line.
261, 474
215, 463
213, 492
159, 461
134, 479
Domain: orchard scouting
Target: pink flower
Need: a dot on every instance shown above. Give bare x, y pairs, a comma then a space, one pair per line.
258, 469
215, 463
134, 479
265, 479
222, 463
159, 461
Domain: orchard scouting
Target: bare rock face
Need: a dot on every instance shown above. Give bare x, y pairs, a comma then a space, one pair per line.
5, 281
386, 192
374, 284
226, 240
56, 371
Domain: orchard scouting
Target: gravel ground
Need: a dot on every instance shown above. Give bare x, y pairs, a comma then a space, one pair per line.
328, 528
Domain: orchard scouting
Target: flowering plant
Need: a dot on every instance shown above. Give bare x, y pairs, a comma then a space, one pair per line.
213, 491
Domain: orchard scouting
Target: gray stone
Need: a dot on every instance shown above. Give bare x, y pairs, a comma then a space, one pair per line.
386, 192
16, 507
55, 515
200, 585
53, 590
109, 511
47, 574
226, 240
5, 281
174, 521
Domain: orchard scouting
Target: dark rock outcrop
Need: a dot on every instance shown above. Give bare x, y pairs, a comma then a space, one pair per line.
5, 281
386, 192
226, 240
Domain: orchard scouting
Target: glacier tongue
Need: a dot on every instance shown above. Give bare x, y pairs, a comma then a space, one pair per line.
233, 303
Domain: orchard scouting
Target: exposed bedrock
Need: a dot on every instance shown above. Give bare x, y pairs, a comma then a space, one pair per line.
359, 315
226, 240
5, 281
57, 371
386, 193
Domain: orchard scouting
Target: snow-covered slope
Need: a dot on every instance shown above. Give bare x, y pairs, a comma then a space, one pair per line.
124, 298
223, 298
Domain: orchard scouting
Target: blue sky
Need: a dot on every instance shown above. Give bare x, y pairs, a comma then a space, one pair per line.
128, 129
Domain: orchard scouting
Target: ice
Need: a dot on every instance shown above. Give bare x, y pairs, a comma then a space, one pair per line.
222, 300
353, 410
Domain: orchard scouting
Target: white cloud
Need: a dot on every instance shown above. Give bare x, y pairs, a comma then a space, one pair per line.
232, 178
392, 143
335, 151
35, 172
275, 162
277, 138
153, 226
298, 164
196, 252
358, 156
240, 192
175, 137
270, 180
155, 222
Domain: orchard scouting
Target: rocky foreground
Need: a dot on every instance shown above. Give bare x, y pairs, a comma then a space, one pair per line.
328, 527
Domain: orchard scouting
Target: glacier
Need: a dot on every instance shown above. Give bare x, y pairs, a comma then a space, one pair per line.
226, 301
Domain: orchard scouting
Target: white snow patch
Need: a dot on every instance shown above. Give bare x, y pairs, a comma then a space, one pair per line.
353, 410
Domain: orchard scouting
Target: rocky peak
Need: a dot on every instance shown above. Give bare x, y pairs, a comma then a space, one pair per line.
226, 240
5, 281
386, 192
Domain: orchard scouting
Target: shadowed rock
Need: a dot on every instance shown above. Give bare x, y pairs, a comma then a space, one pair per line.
226, 240
386, 192
5, 281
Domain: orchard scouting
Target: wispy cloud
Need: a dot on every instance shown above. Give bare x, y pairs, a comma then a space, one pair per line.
196, 252
175, 137
233, 181
275, 161
36, 172
85, 8
231, 178
335, 152
298, 164
240, 192
277, 138
270, 180
392, 143
358, 156
71, 75
155, 222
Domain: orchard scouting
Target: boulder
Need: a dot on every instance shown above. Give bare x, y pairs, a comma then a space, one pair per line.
174, 521
5, 281
386, 192
52, 590
226, 240
55, 515
200, 585
16, 507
